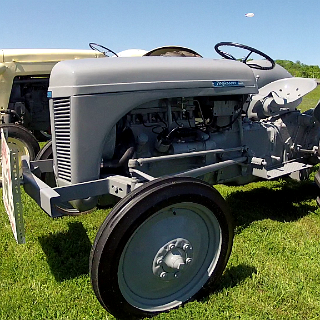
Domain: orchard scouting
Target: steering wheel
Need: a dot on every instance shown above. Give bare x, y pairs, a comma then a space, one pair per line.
100, 48
245, 60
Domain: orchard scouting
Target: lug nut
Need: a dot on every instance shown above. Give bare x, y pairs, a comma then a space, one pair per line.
162, 275
188, 260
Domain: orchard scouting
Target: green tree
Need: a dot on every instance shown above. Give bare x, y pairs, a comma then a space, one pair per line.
298, 69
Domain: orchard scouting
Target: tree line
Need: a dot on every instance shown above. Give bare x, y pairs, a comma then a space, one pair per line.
298, 69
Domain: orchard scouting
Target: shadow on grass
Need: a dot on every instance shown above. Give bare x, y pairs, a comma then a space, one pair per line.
67, 253
230, 278
285, 203
235, 275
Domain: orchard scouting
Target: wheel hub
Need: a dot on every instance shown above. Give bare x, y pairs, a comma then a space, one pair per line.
172, 259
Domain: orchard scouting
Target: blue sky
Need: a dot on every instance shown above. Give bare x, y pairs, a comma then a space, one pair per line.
284, 29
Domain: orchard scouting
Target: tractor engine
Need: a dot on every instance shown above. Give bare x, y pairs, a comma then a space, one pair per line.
186, 125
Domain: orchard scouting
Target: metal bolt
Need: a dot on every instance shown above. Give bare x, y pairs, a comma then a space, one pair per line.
187, 247
171, 246
188, 260
162, 275
159, 261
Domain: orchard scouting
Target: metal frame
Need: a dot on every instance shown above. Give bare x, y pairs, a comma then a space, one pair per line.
49, 198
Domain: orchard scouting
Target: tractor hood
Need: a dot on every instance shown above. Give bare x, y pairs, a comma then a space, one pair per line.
94, 76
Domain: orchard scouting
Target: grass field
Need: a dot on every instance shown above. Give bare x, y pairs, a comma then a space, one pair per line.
273, 271
311, 99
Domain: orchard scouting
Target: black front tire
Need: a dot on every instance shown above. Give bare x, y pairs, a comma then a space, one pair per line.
133, 261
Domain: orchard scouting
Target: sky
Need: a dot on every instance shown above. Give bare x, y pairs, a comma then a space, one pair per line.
283, 29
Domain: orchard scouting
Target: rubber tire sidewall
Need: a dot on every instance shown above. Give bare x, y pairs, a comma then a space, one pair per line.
23, 134
121, 224
46, 152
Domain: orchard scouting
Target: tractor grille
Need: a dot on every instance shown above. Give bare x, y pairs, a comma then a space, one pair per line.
61, 111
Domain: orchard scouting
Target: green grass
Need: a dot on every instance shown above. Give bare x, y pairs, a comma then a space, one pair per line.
310, 100
273, 271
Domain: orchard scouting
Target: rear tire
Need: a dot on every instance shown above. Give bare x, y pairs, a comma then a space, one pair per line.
160, 246
44, 154
22, 141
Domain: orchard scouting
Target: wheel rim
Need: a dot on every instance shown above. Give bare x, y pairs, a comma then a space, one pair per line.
170, 257
17, 145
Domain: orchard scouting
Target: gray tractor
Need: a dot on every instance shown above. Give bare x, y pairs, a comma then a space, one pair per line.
150, 136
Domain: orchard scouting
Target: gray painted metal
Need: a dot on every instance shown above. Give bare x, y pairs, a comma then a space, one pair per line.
286, 168
161, 102
267, 76
49, 198
93, 76
212, 168
279, 96
140, 162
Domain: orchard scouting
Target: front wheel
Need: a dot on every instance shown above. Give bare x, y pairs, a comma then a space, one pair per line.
160, 247
22, 141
